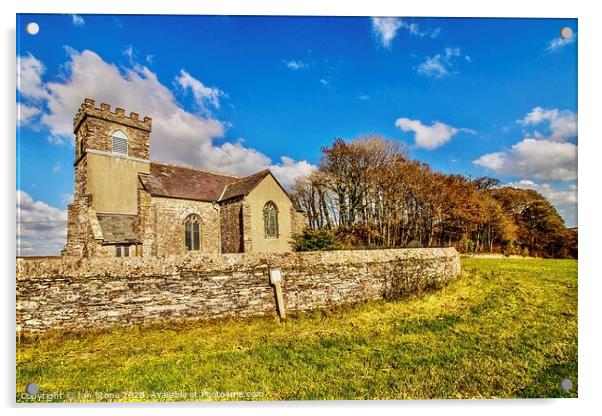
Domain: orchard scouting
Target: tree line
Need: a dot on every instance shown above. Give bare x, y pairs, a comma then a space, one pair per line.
368, 193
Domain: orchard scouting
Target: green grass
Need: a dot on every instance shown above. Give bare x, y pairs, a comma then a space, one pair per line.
505, 328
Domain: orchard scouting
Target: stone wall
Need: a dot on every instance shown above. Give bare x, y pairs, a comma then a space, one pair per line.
147, 224
81, 177
247, 236
78, 294
96, 126
76, 230
170, 215
298, 221
83, 232
231, 225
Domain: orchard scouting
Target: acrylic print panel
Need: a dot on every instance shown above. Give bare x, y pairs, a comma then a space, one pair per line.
295, 208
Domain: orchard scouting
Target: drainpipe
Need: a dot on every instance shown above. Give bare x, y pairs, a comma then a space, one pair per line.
215, 206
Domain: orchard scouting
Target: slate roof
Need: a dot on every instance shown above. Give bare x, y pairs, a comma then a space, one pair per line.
118, 228
183, 182
243, 186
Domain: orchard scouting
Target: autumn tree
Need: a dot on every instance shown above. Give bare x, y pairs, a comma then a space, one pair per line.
369, 194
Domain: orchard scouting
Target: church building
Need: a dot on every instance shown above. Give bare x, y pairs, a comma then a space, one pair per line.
126, 205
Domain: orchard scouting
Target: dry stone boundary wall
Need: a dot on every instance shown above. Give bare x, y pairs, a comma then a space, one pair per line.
77, 294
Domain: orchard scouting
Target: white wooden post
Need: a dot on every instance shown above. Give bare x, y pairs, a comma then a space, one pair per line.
276, 280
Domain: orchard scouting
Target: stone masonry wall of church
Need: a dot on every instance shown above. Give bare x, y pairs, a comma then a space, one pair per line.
146, 224
299, 221
246, 227
81, 171
99, 133
98, 124
81, 294
170, 215
77, 232
231, 226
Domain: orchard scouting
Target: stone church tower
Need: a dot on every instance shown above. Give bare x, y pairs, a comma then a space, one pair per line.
111, 149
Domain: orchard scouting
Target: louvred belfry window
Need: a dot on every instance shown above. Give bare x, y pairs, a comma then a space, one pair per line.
119, 142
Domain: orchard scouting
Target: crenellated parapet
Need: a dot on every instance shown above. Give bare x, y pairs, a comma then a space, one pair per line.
88, 109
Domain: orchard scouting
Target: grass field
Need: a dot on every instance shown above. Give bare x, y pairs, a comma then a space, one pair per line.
505, 328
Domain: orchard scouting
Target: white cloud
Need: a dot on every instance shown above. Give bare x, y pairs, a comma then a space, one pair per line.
129, 52
414, 29
433, 67
364, 97
545, 156
452, 52
429, 137
202, 95
41, 228
558, 43
434, 32
295, 65
325, 82
29, 78
25, 113
385, 29
117, 22
289, 170
561, 123
441, 64
178, 136
67, 199
563, 199
57, 167
542, 159
77, 20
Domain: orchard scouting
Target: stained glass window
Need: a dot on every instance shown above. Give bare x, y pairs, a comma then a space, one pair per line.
192, 232
270, 220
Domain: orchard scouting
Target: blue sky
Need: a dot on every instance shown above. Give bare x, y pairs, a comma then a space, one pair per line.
472, 96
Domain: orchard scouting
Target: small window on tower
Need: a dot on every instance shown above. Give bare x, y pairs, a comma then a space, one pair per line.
120, 142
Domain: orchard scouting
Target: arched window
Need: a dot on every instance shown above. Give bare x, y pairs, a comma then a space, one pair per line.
120, 142
192, 232
270, 220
